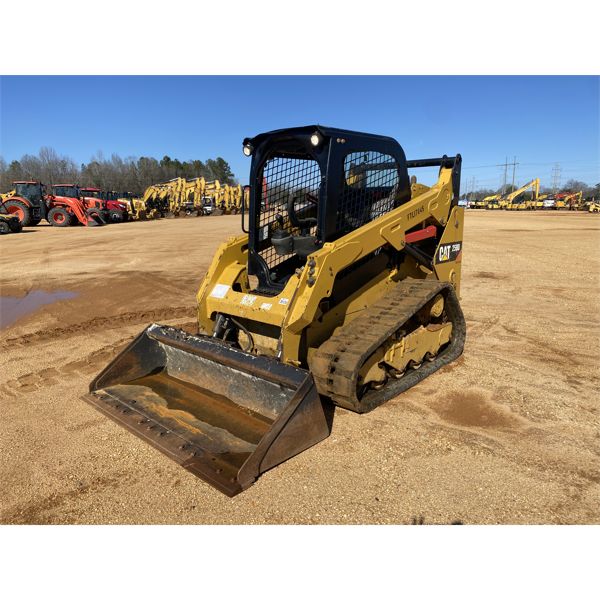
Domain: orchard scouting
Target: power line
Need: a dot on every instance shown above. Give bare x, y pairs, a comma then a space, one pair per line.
536, 164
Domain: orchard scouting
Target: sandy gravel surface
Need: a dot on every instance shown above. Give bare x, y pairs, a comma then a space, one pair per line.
508, 434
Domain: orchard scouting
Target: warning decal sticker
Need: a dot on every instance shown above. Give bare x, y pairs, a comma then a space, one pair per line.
219, 291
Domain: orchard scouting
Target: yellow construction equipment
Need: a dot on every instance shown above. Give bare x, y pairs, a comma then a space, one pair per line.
593, 206
196, 196
537, 203
511, 199
193, 196
173, 192
138, 209
8, 222
492, 202
575, 200
568, 201
157, 198
146, 207
344, 290
481, 203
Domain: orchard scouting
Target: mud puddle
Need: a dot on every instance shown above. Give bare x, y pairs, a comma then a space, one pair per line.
12, 309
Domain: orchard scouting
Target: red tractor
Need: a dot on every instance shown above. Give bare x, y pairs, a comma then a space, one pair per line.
96, 198
66, 207
27, 203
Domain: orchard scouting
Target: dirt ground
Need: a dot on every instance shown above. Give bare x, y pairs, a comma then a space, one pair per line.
507, 434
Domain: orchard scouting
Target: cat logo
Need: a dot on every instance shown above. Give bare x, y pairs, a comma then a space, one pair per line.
448, 252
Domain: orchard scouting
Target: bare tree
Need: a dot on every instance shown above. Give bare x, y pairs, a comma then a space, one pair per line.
119, 174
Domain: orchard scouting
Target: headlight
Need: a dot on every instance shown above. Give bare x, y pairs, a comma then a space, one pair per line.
248, 149
315, 139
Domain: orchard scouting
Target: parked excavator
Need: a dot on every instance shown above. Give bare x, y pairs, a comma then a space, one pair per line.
199, 197
193, 204
153, 204
213, 194
568, 200
66, 207
574, 200
538, 203
481, 203
175, 194
492, 202
343, 289
26, 202
515, 202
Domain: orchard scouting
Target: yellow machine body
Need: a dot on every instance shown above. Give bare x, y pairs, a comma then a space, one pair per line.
344, 290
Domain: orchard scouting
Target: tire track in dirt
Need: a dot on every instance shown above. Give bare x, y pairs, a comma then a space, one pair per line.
91, 363
98, 323
51, 376
51, 509
477, 421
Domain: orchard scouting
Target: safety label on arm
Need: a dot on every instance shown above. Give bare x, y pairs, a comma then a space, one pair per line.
219, 291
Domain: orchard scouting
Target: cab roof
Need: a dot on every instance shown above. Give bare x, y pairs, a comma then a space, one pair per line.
329, 132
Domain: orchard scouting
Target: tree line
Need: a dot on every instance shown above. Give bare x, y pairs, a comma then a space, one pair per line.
116, 173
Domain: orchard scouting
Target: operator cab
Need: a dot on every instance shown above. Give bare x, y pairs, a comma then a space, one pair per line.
312, 185
93, 193
66, 190
31, 190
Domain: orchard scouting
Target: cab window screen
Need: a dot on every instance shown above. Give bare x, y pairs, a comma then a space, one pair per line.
283, 178
371, 182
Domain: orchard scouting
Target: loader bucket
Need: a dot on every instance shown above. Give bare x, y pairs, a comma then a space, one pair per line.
223, 414
94, 220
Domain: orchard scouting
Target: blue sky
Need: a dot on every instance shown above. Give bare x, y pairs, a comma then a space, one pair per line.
540, 120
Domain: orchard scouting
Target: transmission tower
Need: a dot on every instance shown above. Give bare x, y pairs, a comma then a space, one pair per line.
472, 186
514, 165
555, 178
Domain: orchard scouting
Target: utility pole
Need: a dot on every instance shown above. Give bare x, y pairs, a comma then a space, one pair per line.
555, 177
506, 164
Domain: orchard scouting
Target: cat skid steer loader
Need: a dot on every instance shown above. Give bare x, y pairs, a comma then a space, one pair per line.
343, 289
8, 222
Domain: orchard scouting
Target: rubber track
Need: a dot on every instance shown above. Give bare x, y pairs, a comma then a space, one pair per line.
337, 362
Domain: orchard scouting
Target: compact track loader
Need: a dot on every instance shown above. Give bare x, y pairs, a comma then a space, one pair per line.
9, 223
343, 289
